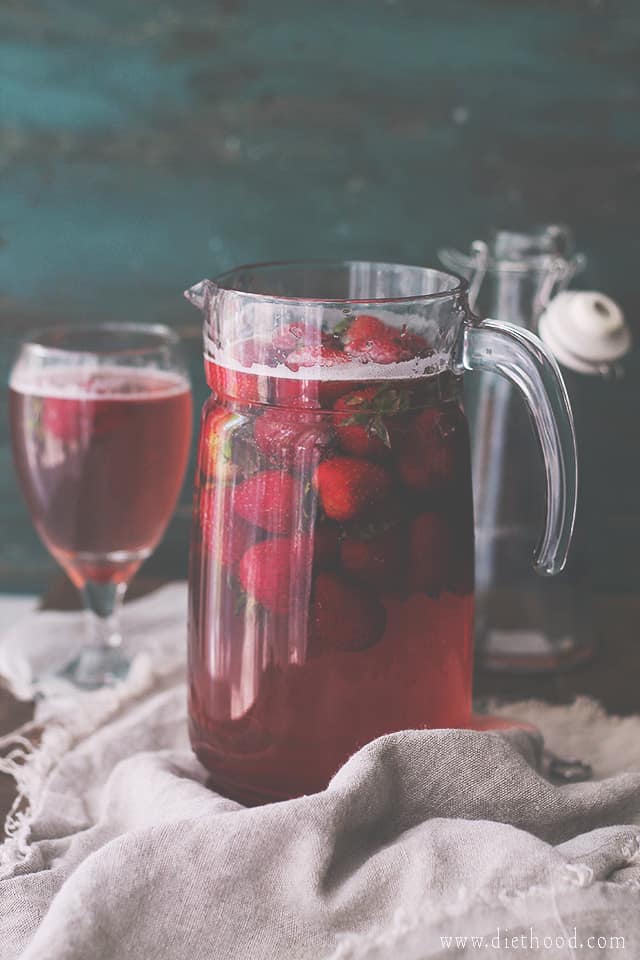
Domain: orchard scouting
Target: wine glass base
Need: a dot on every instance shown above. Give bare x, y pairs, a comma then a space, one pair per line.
97, 667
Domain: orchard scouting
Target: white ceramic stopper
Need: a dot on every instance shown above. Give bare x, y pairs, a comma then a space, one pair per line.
585, 331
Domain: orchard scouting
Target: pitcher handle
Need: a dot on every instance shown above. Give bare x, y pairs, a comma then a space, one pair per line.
521, 357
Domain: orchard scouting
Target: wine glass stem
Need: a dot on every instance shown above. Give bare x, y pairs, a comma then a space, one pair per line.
102, 661
103, 602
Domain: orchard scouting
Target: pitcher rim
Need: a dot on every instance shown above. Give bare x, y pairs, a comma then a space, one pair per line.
460, 289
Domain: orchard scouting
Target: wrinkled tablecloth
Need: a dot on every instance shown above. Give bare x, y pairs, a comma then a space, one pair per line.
421, 842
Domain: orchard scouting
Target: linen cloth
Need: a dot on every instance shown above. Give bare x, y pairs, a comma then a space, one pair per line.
119, 850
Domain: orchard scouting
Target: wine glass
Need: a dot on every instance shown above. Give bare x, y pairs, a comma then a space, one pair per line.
100, 428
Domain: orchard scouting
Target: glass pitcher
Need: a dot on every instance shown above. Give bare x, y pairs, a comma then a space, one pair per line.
331, 577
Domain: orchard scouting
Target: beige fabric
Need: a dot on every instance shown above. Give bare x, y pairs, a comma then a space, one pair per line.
423, 835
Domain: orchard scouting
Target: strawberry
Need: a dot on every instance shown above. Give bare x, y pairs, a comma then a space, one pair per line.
290, 337
299, 336
375, 561
287, 438
343, 616
362, 429
74, 420
377, 351
349, 487
295, 393
67, 418
325, 544
316, 392
268, 499
368, 338
233, 383
227, 541
331, 390
317, 356
429, 450
243, 384
430, 553
365, 327
265, 573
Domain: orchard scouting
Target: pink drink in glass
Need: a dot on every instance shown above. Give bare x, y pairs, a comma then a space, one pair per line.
100, 456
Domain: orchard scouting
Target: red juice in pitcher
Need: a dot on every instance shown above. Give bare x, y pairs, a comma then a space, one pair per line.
332, 562
331, 581
100, 455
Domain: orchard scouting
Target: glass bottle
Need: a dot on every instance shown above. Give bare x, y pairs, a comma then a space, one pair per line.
523, 622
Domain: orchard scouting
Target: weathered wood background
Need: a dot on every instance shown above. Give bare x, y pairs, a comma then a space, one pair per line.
145, 145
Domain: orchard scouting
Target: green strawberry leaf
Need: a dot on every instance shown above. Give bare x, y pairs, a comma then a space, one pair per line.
227, 449
391, 401
241, 600
358, 419
378, 428
342, 327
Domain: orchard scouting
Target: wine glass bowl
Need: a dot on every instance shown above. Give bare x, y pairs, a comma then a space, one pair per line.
100, 427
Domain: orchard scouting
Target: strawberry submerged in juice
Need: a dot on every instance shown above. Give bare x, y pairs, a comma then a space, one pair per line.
332, 561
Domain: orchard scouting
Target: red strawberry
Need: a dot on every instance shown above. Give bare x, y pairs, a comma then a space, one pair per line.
290, 337
349, 487
314, 392
343, 616
357, 436
372, 340
363, 428
243, 384
378, 351
316, 356
331, 390
325, 544
268, 499
75, 420
429, 450
375, 561
295, 393
299, 336
226, 539
265, 573
287, 438
430, 553
66, 418
366, 327
233, 383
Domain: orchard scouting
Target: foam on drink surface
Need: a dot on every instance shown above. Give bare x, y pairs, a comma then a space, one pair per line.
358, 369
108, 383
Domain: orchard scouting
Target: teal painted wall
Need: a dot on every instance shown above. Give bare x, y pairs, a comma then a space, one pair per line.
143, 146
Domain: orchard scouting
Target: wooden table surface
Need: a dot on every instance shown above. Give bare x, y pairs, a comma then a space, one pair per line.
611, 677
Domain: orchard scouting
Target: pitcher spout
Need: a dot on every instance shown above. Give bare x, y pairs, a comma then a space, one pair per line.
200, 293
